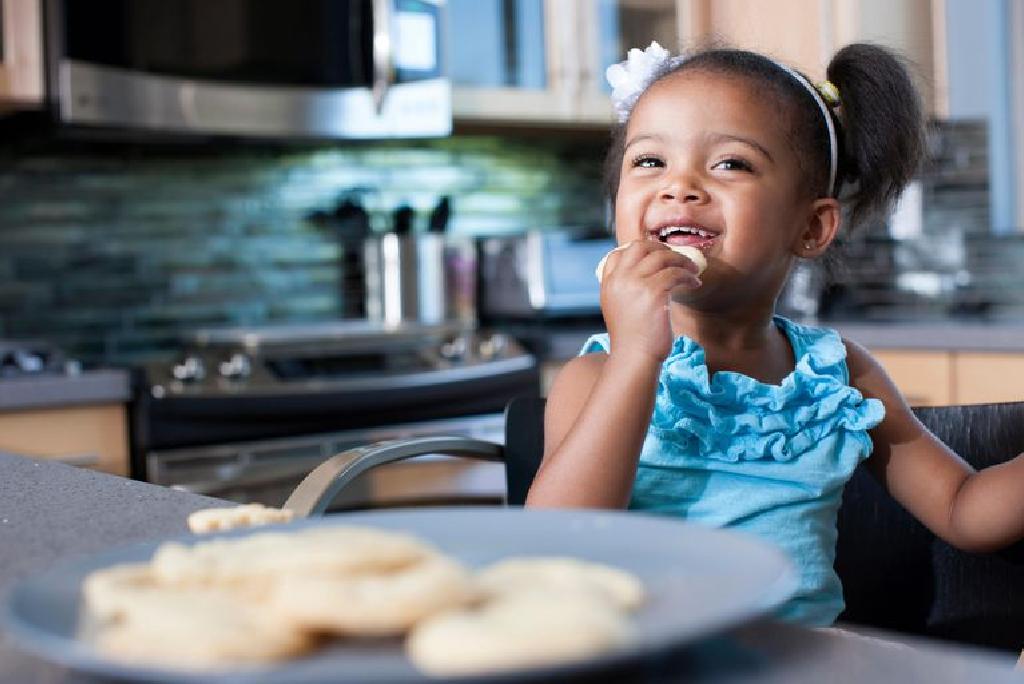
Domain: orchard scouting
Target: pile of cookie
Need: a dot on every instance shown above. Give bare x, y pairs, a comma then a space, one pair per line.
275, 595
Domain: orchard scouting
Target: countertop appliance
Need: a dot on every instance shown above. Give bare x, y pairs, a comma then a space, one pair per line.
246, 413
541, 273
316, 68
540, 288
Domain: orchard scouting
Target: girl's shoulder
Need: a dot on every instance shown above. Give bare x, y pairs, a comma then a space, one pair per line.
867, 374
821, 339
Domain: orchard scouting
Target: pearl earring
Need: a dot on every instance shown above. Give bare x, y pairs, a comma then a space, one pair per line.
808, 246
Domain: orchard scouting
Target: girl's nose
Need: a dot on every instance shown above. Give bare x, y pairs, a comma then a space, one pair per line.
684, 189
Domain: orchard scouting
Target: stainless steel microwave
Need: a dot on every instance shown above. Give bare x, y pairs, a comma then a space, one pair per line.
308, 68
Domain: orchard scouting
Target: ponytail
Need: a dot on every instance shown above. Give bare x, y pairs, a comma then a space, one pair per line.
882, 126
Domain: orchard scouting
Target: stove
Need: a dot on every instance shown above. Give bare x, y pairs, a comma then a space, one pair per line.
346, 355
240, 404
21, 358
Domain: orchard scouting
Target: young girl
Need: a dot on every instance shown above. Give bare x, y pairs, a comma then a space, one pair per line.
699, 402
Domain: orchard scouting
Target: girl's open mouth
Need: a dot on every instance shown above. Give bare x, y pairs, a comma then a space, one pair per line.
691, 236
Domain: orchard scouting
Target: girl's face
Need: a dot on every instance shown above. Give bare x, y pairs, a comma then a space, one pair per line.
707, 163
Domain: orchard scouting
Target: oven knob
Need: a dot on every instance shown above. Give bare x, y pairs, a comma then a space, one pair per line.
493, 346
455, 349
189, 369
237, 367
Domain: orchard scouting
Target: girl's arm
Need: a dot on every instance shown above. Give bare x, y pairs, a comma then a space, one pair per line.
600, 405
972, 510
595, 422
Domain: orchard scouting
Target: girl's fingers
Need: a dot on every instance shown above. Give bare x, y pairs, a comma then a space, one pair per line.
603, 266
648, 257
669, 279
612, 259
663, 257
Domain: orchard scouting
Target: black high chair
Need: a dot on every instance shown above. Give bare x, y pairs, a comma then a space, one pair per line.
896, 574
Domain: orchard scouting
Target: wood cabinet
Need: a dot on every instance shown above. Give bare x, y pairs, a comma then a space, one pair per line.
924, 377
93, 436
988, 377
806, 33
543, 61
21, 53
937, 378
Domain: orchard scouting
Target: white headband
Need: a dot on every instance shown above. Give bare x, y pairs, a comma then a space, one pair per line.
630, 78
833, 142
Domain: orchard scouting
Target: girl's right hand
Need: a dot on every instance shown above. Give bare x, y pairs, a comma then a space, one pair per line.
635, 289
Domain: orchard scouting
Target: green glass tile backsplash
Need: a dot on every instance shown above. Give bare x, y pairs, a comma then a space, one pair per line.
113, 254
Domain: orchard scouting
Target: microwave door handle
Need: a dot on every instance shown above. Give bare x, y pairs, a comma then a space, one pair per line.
383, 67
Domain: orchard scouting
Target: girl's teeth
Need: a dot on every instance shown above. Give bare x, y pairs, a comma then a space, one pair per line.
665, 232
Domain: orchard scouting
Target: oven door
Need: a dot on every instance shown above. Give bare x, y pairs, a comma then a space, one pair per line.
316, 68
267, 471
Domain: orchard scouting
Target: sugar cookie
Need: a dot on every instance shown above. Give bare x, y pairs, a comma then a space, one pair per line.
261, 557
691, 253
373, 603
108, 592
562, 574
197, 627
249, 515
522, 629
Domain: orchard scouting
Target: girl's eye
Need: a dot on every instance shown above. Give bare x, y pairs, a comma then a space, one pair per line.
646, 161
732, 164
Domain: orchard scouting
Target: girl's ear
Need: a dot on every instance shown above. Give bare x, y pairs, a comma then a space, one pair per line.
822, 226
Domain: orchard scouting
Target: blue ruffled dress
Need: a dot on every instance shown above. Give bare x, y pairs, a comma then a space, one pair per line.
770, 460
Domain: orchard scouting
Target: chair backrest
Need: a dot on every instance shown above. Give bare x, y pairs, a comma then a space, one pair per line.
524, 446
896, 574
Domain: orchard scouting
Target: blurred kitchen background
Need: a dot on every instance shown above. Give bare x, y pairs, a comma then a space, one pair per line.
239, 236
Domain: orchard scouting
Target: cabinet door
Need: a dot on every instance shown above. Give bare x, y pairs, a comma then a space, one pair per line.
608, 30
21, 53
914, 28
924, 377
508, 60
806, 33
797, 32
982, 378
88, 436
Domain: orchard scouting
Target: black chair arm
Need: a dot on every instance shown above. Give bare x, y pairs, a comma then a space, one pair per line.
316, 492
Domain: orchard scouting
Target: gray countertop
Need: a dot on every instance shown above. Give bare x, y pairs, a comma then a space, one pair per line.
50, 513
938, 335
110, 386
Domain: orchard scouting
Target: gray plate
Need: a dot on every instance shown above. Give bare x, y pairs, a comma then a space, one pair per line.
699, 581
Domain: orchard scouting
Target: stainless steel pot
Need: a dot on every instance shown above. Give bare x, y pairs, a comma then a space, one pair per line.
428, 279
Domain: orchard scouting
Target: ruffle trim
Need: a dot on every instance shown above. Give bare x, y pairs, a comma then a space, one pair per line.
733, 417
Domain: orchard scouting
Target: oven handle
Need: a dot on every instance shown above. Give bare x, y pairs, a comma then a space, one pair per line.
316, 492
238, 477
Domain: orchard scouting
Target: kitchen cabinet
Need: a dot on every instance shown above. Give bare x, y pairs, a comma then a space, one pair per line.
936, 378
21, 53
93, 436
805, 33
924, 377
543, 61
983, 377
